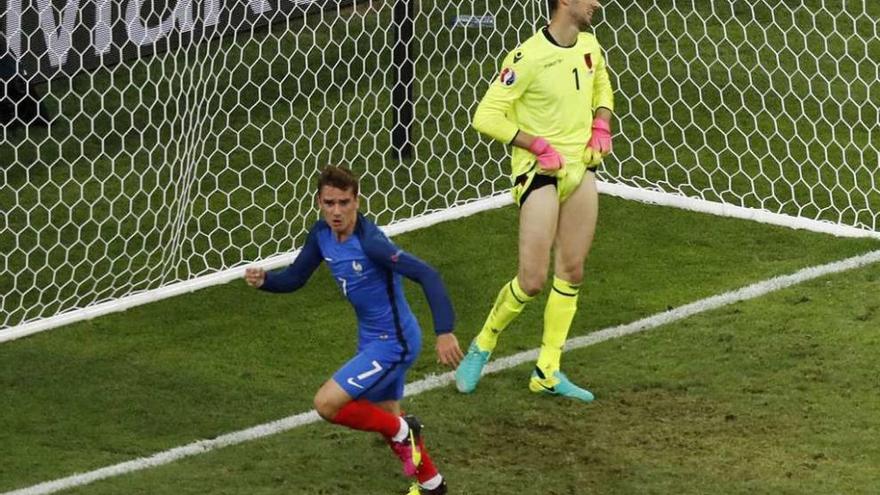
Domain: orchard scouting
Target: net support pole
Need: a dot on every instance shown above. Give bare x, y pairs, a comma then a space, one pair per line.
402, 92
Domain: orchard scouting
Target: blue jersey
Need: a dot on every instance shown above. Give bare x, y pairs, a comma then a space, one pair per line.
367, 267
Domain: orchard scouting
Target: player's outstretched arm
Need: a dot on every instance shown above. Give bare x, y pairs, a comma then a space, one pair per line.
294, 276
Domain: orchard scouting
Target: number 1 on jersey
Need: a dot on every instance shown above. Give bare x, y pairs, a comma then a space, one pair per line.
577, 81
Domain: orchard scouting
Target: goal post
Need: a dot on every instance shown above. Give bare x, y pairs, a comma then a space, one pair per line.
186, 136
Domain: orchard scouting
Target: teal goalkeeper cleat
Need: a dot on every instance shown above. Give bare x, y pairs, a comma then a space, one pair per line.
471, 367
558, 384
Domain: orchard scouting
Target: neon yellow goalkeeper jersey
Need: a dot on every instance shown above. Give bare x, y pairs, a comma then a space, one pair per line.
550, 91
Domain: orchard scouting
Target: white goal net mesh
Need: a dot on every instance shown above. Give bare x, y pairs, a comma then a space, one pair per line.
769, 104
184, 137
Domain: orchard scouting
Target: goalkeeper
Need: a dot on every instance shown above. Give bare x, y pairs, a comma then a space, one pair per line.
553, 103
364, 394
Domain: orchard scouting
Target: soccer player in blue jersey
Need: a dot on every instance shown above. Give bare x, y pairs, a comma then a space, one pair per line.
553, 102
364, 394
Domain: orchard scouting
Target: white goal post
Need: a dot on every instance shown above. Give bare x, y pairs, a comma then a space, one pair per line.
153, 148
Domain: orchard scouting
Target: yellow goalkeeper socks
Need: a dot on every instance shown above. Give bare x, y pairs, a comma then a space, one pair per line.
561, 306
508, 305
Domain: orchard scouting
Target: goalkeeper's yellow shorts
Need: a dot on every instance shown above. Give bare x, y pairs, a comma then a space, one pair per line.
566, 180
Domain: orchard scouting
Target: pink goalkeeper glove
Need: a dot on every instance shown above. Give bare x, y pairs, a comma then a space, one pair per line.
601, 138
548, 158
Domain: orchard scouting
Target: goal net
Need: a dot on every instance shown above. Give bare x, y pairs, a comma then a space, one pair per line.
185, 136
765, 109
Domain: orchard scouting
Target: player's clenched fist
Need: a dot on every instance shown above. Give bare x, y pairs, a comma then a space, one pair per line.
255, 277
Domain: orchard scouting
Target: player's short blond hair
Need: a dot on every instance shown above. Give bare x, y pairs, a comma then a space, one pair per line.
338, 177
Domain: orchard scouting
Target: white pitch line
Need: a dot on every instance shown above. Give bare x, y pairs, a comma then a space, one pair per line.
435, 381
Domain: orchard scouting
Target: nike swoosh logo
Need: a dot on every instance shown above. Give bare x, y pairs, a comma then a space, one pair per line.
328, 259
549, 389
356, 384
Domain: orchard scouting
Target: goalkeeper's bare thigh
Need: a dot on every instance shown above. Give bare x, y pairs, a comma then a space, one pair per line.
576, 228
537, 230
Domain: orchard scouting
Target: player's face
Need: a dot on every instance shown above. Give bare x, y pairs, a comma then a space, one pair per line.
339, 208
582, 12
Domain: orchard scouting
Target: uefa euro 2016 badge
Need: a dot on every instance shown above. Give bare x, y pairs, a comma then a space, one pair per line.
508, 77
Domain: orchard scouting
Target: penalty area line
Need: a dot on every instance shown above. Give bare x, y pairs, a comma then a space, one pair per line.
436, 381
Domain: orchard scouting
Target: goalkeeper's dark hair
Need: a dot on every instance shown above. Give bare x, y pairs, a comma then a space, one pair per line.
552, 4
338, 177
